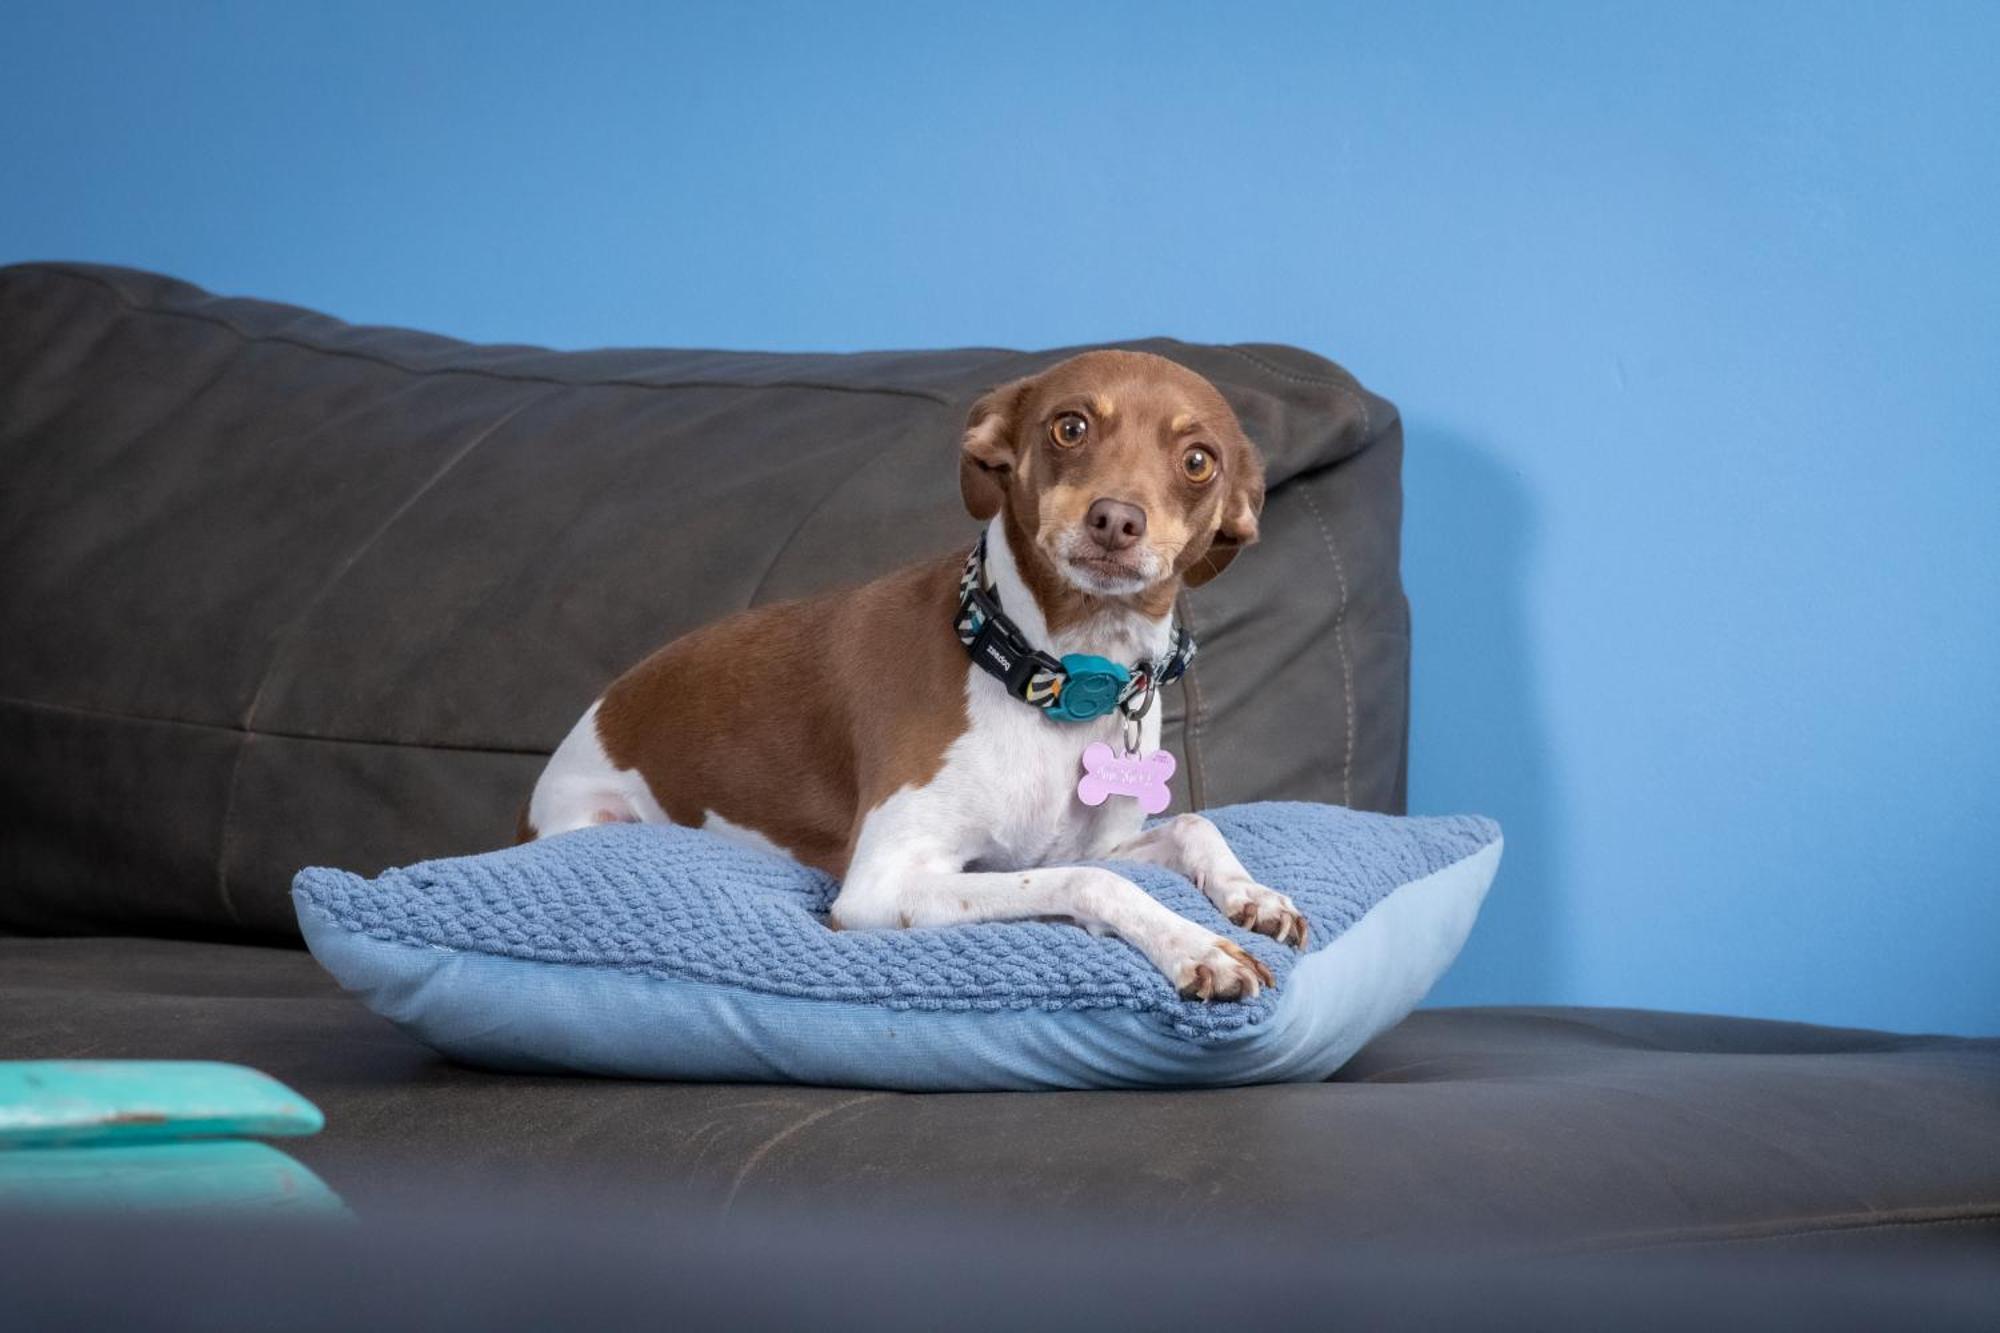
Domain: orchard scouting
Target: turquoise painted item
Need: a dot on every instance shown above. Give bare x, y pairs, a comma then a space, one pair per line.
205, 1175
1091, 686
153, 1136
65, 1103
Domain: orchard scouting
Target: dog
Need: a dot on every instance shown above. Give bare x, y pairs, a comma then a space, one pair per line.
920, 737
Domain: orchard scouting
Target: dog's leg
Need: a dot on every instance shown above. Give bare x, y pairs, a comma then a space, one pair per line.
581, 787
907, 892
1192, 846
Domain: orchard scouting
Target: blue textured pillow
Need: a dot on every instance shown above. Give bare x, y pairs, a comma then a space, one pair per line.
656, 951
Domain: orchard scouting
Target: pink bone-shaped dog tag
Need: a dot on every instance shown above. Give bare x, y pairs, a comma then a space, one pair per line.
1142, 776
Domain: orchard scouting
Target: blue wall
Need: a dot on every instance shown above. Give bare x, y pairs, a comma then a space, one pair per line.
1693, 313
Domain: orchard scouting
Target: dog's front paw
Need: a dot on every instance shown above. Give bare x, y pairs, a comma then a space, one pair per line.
1266, 911
1220, 971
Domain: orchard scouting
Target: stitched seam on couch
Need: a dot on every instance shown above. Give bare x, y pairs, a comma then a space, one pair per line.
1339, 638
287, 635
140, 719
1349, 390
372, 358
847, 478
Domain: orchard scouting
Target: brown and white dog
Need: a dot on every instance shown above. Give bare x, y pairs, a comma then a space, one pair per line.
1106, 482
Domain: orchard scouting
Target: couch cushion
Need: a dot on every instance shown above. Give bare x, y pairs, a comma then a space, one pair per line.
283, 591
1569, 1127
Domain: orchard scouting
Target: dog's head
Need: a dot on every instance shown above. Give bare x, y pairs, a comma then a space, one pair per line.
1121, 472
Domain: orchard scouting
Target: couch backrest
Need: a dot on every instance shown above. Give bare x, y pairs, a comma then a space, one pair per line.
275, 590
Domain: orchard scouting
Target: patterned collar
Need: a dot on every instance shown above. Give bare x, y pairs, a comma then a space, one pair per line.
1076, 688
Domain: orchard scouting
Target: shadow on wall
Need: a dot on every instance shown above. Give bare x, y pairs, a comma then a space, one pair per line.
1478, 737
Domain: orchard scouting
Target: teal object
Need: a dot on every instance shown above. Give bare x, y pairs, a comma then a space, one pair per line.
204, 1175
67, 1103
153, 1136
1091, 687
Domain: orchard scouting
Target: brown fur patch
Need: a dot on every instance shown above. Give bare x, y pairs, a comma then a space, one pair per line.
796, 719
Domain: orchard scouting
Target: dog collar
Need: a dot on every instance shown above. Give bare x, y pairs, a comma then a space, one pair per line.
1075, 688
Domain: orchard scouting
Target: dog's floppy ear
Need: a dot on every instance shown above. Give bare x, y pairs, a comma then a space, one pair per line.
1240, 508
986, 456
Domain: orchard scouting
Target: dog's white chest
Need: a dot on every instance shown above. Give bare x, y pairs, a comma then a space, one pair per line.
1005, 796
1028, 768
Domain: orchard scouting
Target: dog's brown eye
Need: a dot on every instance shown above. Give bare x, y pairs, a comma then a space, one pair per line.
1199, 464
1069, 429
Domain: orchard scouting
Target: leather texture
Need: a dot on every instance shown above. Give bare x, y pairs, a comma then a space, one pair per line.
281, 591
1555, 1128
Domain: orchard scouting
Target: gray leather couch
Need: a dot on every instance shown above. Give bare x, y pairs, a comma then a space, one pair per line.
280, 591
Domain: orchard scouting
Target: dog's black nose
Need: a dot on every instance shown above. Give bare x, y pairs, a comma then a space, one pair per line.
1115, 525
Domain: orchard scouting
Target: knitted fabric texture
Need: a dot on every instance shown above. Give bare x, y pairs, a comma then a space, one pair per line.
683, 904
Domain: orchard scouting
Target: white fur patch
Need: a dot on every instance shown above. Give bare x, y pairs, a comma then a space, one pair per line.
1005, 796
582, 787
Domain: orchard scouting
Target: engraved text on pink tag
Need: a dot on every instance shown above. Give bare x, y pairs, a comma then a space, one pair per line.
1109, 773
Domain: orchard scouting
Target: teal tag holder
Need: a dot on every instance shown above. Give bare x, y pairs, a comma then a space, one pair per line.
1091, 688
